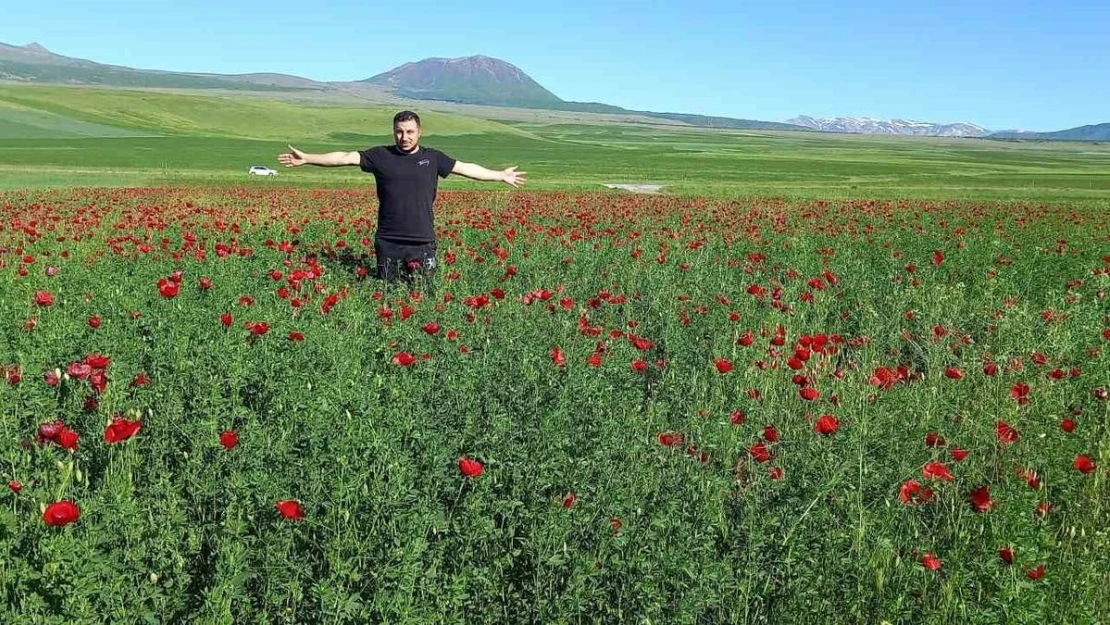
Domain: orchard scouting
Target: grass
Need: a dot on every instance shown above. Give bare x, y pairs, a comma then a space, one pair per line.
212, 140
582, 513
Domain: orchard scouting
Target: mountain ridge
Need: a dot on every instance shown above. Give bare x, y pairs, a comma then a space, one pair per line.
873, 126
477, 79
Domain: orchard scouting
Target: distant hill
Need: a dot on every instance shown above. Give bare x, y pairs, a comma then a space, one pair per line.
709, 121
870, 126
33, 63
51, 111
1096, 132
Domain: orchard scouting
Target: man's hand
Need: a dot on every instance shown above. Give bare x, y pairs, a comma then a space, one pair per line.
513, 177
292, 158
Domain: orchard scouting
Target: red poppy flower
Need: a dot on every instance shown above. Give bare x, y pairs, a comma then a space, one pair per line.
121, 429
93, 321
290, 509
67, 438
98, 381
932, 439
958, 454
49, 430
43, 298
913, 492
930, 562
226, 320
1036, 573
723, 366
980, 499
15, 486
771, 434
1084, 464
1005, 433
61, 513
1007, 555
826, 425
558, 357
12, 374
953, 373
168, 288
329, 302
1020, 392
809, 393
639, 365
257, 328
1067, 425
205, 283
431, 328
404, 359
938, 258
229, 439
79, 370
295, 335
937, 470
737, 417
670, 439
1030, 478
760, 452
569, 500
469, 467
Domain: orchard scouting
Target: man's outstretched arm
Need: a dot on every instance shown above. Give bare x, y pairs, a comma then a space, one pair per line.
296, 158
473, 171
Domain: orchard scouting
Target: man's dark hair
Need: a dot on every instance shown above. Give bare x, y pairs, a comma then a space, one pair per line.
406, 116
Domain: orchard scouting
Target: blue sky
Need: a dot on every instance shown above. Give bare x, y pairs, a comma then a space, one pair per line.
1003, 65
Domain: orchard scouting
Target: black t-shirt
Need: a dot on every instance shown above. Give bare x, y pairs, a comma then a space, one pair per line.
407, 185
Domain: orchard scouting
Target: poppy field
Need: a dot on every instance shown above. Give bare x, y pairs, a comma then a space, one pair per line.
603, 408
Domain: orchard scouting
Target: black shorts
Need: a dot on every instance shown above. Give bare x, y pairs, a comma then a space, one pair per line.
403, 261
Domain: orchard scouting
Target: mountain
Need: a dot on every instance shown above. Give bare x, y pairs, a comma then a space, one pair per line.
467, 80
1096, 132
34, 63
493, 82
870, 126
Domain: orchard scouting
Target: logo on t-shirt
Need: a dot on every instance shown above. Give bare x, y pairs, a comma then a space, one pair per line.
423, 162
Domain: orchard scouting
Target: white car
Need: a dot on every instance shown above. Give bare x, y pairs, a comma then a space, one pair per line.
259, 170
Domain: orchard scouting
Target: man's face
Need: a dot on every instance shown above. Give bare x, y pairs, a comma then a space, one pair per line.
407, 135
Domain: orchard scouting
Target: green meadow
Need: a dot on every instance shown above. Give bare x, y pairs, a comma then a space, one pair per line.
70, 136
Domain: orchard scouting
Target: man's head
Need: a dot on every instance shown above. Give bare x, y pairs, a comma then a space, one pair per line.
406, 131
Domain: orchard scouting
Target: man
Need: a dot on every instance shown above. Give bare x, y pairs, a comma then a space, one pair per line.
406, 176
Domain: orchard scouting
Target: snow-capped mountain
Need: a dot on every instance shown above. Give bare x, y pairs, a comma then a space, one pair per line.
871, 126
